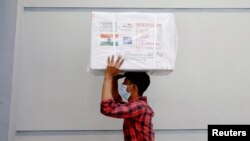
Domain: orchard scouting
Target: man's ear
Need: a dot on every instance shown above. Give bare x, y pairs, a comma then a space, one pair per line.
131, 87
135, 88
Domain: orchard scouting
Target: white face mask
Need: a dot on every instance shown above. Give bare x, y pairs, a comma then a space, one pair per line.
123, 92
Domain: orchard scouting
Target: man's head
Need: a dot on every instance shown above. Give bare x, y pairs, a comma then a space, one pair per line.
140, 81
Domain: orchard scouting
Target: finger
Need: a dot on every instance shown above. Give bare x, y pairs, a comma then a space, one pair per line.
120, 63
112, 59
108, 61
118, 60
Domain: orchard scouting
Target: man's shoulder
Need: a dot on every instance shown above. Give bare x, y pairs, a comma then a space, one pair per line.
143, 100
140, 102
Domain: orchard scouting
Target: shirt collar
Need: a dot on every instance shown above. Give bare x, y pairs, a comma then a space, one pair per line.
143, 98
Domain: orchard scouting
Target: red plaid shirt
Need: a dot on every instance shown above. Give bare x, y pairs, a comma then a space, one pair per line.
137, 116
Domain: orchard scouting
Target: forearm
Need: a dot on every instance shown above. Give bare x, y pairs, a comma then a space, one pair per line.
115, 92
113, 109
107, 88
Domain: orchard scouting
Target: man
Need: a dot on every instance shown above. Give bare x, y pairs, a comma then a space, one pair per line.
136, 112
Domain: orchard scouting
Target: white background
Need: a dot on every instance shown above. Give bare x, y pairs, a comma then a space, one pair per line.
54, 91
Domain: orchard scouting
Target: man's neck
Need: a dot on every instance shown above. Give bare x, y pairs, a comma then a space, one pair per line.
133, 97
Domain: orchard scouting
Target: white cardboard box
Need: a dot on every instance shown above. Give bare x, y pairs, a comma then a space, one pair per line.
147, 41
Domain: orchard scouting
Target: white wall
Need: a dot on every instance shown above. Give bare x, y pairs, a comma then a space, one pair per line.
191, 39
7, 42
168, 135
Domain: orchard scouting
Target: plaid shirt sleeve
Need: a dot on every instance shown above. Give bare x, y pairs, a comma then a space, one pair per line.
121, 110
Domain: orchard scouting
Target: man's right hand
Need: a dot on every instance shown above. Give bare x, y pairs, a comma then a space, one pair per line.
111, 71
113, 67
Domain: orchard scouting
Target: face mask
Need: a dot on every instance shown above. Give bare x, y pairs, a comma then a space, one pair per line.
123, 92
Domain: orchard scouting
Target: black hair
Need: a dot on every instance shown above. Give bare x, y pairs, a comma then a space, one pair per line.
141, 79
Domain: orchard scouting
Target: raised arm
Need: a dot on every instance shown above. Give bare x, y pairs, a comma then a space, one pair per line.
115, 92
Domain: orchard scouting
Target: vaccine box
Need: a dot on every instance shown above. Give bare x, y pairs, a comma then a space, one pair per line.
146, 41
